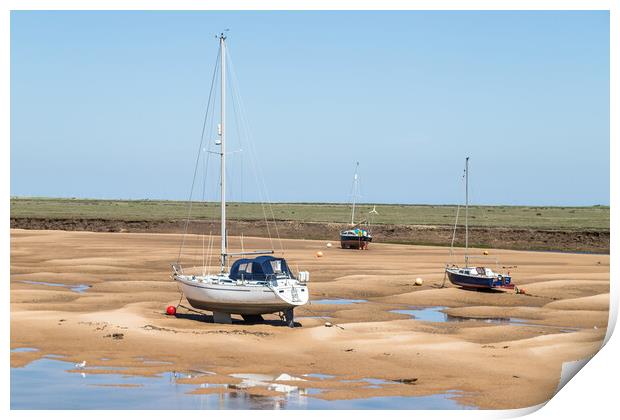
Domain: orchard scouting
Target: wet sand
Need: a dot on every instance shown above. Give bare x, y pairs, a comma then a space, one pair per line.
492, 365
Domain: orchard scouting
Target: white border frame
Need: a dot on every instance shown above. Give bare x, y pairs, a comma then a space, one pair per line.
593, 393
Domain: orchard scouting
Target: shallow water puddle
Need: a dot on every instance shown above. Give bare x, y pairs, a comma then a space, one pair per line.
429, 314
53, 384
436, 314
79, 288
375, 381
337, 301
24, 350
318, 375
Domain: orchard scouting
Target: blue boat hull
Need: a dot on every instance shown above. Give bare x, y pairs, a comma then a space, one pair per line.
477, 282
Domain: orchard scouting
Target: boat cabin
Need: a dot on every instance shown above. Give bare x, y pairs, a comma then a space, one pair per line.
477, 271
355, 232
261, 268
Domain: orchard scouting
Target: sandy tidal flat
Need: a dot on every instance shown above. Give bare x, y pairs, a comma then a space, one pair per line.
119, 320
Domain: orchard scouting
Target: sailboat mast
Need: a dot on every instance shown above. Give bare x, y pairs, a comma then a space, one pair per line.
222, 134
357, 164
466, 207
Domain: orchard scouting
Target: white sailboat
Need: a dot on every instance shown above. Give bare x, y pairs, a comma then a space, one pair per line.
253, 286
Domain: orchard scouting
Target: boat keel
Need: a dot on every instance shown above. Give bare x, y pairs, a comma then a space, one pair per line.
222, 318
289, 318
251, 318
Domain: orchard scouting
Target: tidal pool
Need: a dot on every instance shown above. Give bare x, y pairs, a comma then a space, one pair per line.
24, 350
436, 314
429, 314
48, 384
79, 288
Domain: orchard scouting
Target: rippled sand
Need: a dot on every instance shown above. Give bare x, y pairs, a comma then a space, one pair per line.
493, 364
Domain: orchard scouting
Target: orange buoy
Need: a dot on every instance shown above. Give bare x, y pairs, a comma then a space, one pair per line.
171, 310
319, 254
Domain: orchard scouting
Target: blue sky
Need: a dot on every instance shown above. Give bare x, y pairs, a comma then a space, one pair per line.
110, 104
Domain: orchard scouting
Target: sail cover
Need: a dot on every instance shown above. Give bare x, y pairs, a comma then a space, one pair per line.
259, 268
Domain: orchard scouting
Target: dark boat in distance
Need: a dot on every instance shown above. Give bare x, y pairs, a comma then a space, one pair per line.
358, 236
481, 278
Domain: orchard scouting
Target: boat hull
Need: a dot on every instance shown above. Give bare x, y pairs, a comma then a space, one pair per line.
243, 300
476, 281
355, 242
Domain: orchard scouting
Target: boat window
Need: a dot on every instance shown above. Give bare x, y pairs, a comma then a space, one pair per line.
243, 267
276, 266
256, 268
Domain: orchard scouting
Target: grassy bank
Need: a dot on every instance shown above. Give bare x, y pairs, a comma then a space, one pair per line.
564, 218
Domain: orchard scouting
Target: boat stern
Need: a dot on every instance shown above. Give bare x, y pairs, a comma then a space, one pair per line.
294, 295
502, 281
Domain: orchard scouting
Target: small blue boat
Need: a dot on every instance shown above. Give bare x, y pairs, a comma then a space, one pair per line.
477, 278
468, 277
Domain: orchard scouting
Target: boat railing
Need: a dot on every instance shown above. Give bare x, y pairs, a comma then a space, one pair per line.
483, 257
177, 269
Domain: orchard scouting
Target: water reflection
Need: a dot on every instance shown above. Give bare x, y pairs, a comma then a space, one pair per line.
54, 384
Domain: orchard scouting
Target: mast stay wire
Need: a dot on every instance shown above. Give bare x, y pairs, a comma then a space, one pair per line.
239, 121
189, 211
208, 152
253, 157
240, 139
456, 220
355, 190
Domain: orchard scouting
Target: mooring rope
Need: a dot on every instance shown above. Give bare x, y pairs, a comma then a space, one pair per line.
445, 275
192, 310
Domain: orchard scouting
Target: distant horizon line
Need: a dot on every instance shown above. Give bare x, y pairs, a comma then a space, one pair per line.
24, 197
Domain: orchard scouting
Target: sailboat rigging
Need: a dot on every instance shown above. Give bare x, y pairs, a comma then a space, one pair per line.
474, 277
358, 235
253, 286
